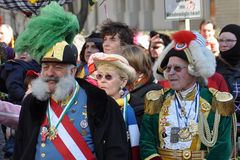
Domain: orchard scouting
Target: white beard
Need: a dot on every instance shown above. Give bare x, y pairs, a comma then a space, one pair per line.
64, 86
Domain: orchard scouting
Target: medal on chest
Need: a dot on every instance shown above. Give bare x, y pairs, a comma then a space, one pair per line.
52, 133
187, 120
55, 115
184, 134
174, 137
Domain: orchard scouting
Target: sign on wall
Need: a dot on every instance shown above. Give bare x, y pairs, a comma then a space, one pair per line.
183, 9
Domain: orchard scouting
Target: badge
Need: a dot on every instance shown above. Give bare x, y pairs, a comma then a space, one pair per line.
52, 133
44, 133
184, 134
174, 137
180, 46
84, 123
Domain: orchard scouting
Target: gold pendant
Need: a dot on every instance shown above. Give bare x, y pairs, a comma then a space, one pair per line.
184, 134
52, 133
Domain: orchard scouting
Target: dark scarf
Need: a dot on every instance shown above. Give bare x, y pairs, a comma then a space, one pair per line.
232, 56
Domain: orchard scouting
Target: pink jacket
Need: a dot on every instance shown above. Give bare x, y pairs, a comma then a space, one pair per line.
9, 114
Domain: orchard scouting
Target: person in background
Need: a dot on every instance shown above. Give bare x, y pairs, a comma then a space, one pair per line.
113, 74
207, 29
9, 111
115, 35
13, 73
93, 44
228, 62
144, 82
6, 53
158, 41
64, 117
6, 35
9, 114
30, 76
188, 121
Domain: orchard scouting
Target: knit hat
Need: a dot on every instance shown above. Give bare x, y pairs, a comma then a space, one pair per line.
96, 39
116, 60
232, 55
189, 46
44, 32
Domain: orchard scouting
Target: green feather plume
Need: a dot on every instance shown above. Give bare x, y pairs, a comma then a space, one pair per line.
42, 32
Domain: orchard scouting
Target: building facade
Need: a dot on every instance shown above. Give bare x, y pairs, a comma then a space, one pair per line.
144, 15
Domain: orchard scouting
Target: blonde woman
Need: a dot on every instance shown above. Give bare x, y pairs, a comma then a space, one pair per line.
113, 74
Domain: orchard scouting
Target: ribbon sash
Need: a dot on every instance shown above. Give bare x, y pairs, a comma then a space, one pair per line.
69, 141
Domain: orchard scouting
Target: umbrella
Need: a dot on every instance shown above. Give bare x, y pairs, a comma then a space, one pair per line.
28, 7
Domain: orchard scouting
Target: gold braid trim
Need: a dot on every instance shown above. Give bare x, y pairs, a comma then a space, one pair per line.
234, 129
153, 101
223, 102
189, 56
162, 115
208, 137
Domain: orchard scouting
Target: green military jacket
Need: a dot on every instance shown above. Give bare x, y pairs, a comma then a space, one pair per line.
150, 136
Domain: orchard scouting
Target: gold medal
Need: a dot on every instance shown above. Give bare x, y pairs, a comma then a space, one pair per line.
52, 133
184, 134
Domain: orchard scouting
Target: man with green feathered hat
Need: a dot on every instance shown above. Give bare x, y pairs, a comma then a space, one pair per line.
64, 117
187, 121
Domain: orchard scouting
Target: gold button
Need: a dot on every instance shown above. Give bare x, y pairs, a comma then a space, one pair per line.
43, 144
43, 155
186, 154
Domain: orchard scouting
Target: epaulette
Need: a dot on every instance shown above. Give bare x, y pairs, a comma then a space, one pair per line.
223, 102
153, 101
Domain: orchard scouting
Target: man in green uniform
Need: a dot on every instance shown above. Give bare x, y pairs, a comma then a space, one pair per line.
188, 121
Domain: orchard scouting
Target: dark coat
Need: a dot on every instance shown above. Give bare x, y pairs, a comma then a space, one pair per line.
12, 74
137, 98
232, 77
104, 118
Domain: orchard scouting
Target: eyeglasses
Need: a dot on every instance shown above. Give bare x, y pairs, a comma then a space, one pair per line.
108, 77
175, 68
227, 41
